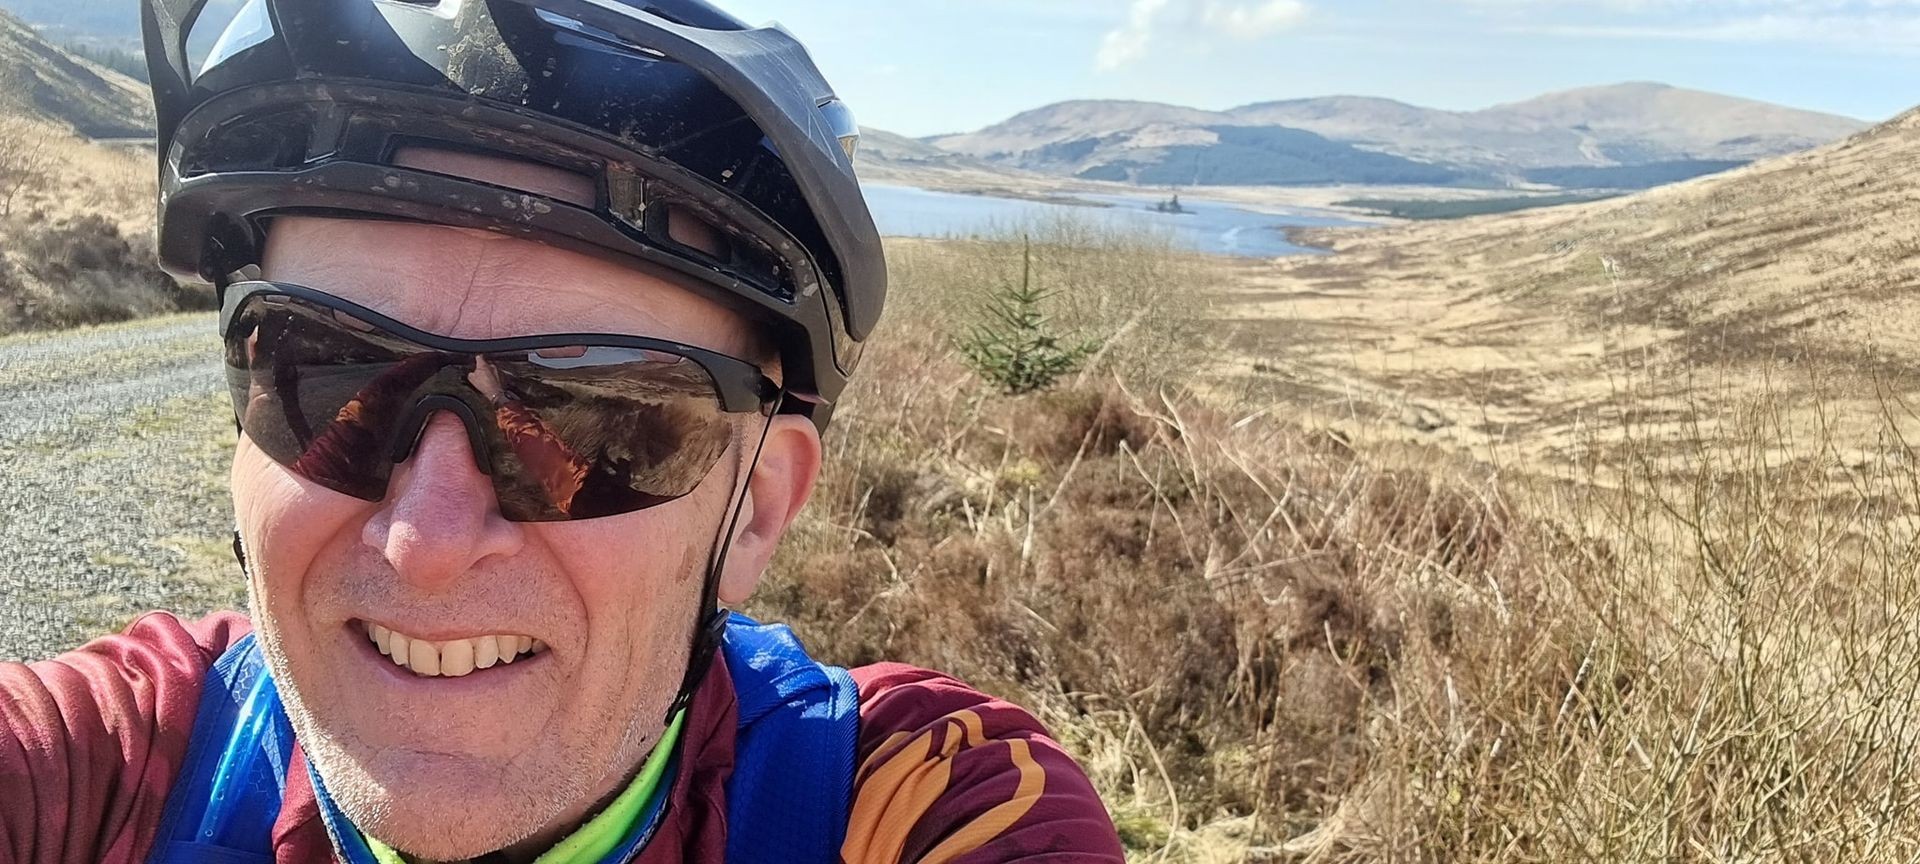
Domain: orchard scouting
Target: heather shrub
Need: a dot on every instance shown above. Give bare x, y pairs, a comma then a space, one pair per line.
1268, 642
88, 272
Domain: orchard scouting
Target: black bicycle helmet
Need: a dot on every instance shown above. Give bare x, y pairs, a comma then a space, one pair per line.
671, 106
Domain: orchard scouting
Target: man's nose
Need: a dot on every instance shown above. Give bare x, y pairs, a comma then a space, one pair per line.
440, 518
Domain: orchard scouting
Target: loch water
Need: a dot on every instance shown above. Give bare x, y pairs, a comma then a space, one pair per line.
1209, 226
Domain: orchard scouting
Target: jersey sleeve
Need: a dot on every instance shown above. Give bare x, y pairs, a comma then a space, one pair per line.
90, 741
949, 775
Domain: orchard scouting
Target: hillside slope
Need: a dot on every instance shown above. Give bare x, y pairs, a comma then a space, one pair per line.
76, 229
1798, 277
76, 216
40, 80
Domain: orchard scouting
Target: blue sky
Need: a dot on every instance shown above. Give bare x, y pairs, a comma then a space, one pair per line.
922, 67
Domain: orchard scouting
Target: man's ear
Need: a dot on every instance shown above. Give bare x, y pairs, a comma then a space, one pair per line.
779, 487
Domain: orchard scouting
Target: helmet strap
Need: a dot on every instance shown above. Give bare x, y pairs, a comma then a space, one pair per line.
710, 623
240, 551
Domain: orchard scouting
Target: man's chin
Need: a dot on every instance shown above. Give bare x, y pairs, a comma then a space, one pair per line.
438, 806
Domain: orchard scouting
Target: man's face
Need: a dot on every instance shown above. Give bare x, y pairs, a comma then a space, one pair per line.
444, 766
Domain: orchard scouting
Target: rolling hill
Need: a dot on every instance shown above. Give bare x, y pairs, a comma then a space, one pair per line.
40, 80
1625, 136
76, 215
1796, 279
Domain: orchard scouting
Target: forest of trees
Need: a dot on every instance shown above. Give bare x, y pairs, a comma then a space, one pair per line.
1628, 176
124, 62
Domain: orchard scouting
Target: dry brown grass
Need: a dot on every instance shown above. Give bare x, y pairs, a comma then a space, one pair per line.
1269, 642
1668, 614
75, 223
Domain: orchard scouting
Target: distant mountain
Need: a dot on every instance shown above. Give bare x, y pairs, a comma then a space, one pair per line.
1166, 155
1643, 122
1066, 122
885, 157
1629, 135
882, 146
38, 79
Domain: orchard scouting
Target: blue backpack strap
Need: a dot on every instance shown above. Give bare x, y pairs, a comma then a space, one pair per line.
223, 804
792, 786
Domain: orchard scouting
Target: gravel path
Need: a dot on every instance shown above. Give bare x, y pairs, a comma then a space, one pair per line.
114, 444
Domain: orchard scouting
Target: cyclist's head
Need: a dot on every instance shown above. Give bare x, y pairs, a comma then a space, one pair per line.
399, 199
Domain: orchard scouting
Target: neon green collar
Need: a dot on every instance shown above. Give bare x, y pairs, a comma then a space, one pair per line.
604, 832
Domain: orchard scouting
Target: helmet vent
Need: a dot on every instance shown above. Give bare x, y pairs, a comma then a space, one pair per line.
226, 28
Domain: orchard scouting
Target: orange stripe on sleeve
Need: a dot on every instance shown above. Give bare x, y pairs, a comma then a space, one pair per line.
879, 754
896, 795
1002, 790
1033, 779
891, 801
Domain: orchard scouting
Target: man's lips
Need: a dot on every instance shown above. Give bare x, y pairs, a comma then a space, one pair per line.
447, 658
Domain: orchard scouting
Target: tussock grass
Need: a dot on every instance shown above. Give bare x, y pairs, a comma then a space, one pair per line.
1269, 643
75, 218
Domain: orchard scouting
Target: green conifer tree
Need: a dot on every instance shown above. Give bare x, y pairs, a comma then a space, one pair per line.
1016, 348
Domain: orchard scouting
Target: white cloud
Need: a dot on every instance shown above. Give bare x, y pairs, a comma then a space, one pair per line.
1129, 42
1253, 19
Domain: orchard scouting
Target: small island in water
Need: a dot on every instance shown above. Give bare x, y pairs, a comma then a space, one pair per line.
1171, 205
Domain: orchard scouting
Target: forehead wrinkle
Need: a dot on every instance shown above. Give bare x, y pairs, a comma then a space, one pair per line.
410, 273
549, 290
521, 293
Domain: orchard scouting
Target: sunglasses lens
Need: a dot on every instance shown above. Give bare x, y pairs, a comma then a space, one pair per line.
598, 431
307, 385
565, 433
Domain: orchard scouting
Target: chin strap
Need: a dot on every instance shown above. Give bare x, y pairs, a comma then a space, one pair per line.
239, 550
710, 627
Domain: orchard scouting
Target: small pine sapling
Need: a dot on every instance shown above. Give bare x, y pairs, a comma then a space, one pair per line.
1015, 348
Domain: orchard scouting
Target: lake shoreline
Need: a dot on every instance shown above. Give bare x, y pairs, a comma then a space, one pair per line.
1205, 225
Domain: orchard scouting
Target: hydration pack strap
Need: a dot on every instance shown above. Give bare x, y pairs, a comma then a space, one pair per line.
224, 802
788, 799
792, 786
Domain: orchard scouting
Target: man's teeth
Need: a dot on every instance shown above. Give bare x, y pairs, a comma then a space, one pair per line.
451, 659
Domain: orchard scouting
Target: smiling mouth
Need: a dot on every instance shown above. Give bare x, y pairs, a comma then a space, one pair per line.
455, 659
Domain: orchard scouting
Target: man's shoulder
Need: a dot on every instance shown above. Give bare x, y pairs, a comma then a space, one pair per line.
156, 643
95, 736
976, 777
898, 697
210, 636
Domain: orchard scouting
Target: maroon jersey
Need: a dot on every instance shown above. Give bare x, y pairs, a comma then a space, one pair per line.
91, 742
